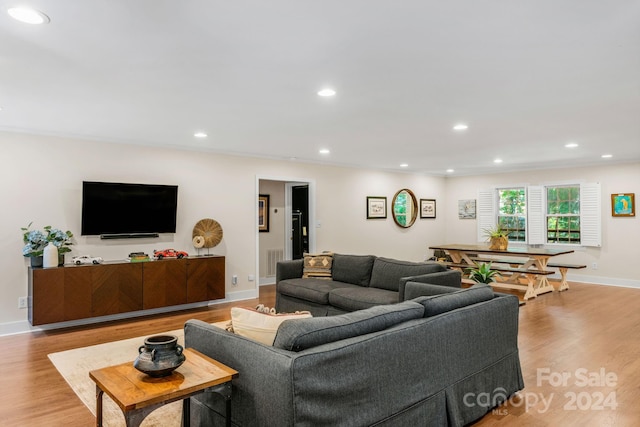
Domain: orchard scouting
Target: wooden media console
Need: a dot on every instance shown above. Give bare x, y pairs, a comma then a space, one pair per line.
71, 292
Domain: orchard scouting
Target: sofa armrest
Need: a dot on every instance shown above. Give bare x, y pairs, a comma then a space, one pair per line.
263, 389
416, 289
451, 278
289, 269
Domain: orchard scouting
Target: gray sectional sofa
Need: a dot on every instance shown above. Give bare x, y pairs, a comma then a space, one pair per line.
357, 282
439, 360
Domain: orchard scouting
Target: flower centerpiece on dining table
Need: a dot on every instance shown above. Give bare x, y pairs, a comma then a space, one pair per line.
36, 240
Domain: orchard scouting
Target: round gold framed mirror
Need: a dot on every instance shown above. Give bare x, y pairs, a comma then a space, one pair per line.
404, 208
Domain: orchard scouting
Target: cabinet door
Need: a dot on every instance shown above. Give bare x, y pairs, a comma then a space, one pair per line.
205, 279
116, 289
77, 292
164, 283
46, 288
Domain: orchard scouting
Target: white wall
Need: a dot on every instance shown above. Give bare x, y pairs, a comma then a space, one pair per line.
620, 235
41, 181
342, 209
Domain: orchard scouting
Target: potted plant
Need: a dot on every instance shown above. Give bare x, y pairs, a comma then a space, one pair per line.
36, 240
482, 273
497, 238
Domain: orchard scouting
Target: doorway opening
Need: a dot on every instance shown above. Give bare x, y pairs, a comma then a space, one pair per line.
290, 232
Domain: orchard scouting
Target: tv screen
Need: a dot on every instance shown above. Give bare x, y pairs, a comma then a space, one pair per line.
110, 208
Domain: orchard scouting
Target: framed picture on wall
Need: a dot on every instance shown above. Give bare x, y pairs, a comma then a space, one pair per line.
623, 204
467, 209
263, 212
376, 207
427, 208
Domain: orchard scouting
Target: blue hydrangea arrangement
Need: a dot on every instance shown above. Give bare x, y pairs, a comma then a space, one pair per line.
36, 240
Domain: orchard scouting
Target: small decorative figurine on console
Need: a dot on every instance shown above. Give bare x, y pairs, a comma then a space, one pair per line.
86, 259
169, 253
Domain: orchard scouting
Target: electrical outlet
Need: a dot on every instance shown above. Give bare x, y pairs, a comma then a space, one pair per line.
234, 280
594, 266
251, 278
23, 302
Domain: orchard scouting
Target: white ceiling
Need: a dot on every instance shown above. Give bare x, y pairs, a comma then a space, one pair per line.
527, 77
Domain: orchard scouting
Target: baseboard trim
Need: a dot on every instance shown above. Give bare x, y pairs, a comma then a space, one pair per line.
237, 296
267, 281
604, 281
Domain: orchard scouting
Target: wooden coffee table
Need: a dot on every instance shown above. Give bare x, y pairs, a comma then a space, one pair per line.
138, 394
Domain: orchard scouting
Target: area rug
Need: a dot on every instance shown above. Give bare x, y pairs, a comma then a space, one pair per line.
74, 366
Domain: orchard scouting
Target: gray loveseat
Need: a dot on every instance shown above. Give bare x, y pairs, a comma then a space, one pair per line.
441, 360
357, 282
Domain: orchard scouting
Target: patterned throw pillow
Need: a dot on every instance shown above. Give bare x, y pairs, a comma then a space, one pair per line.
318, 266
260, 324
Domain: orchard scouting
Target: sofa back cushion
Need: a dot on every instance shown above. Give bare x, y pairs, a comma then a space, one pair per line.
354, 269
301, 334
386, 272
434, 305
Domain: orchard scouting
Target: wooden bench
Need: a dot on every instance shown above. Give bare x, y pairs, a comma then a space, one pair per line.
564, 285
502, 269
562, 268
532, 288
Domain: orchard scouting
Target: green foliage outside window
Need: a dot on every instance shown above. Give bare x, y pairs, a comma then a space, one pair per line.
512, 209
563, 214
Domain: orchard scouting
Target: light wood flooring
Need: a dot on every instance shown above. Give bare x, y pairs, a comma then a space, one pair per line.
589, 334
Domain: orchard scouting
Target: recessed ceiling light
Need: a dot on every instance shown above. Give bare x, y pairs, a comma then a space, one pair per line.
607, 156
404, 165
571, 145
450, 171
324, 151
497, 161
326, 92
200, 135
28, 15
461, 126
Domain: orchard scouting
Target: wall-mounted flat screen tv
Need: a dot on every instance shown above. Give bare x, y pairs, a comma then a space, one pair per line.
110, 208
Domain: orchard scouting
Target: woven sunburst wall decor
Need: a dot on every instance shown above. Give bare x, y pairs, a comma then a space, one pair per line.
207, 233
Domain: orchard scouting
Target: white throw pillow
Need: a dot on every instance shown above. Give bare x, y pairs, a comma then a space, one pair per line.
260, 326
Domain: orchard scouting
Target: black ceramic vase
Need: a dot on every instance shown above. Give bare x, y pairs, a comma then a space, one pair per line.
159, 356
36, 261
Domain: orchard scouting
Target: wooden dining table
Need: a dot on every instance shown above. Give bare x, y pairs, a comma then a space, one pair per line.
520, 262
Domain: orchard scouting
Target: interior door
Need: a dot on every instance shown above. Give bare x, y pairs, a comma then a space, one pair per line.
297, 248
300, 221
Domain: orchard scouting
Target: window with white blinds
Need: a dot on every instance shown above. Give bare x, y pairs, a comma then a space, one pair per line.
555, 214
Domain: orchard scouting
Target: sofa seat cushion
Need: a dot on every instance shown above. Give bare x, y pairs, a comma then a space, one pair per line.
311, 289
354, 269
301, 334
438, 304
360, 298
386, 272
